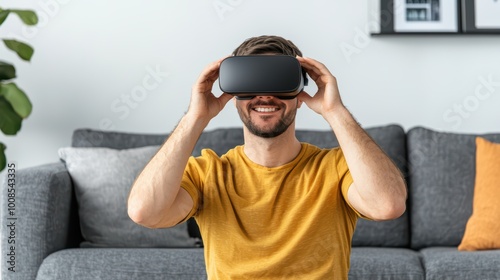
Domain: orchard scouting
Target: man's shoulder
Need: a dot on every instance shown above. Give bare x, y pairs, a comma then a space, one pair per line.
320, 157
210, 154
313, 150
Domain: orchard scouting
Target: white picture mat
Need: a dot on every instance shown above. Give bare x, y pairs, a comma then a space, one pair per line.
448, 19
487, 14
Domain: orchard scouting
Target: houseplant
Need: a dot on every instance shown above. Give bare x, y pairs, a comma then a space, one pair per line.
14, 103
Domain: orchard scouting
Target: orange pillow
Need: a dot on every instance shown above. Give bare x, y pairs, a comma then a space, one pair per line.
482, 231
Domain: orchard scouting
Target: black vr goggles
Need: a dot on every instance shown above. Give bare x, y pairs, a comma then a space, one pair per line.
248, 76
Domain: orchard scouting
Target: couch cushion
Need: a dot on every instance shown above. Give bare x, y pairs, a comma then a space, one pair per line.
220, 140
483, 227
391, 138
482, 231
102, 178
144, 264
441, 176
385, 263
449, 263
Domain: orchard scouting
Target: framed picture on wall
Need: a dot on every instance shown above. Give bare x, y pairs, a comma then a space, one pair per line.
481, 16
426, 16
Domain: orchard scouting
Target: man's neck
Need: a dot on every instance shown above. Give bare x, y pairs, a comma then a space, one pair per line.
272, 152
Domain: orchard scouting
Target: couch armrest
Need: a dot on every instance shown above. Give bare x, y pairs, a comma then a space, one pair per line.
41, 220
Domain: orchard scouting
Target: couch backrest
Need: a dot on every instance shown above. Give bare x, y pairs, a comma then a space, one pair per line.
441, 173
391, 138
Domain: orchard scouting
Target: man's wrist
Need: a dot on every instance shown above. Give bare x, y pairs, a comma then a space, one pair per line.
337, 116
194, 120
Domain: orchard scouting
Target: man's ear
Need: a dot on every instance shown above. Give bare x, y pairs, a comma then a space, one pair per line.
299, 102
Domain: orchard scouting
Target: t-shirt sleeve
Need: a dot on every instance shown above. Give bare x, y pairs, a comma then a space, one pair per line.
193, 179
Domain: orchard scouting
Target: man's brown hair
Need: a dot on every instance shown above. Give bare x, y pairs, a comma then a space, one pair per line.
269, 44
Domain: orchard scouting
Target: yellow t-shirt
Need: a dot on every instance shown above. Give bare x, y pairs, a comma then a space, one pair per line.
287, 222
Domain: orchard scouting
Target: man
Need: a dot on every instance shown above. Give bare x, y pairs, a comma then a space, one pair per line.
273, 208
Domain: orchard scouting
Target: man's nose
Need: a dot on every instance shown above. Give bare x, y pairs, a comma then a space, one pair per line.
265, 96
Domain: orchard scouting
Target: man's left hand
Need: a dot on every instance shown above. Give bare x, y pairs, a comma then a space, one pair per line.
327, 98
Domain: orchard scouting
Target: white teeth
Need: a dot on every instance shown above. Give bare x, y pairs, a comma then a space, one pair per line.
265, 110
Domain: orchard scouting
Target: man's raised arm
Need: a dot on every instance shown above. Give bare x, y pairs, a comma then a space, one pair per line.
379, 189
156, 199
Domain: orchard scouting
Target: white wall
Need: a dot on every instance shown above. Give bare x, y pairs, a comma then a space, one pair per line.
90, 54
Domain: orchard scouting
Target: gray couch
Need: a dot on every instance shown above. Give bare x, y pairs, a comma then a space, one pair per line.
55, 241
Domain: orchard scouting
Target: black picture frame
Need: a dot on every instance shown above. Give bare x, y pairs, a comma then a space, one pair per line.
469, 19
387, 20
386, 16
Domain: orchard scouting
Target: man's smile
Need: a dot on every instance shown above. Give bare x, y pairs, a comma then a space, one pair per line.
265, 109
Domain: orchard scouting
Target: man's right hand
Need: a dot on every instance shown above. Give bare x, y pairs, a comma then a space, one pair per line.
204, 105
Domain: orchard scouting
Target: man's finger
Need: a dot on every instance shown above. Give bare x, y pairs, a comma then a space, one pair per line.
211, 72
224, 98
316, 66
311, 69
304, 96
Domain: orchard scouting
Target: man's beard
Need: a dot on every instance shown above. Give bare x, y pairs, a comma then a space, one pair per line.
279, 128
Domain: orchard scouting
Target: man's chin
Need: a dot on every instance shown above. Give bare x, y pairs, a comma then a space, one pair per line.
267, 135
267, 132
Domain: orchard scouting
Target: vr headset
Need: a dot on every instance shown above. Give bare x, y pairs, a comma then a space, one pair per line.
248, 76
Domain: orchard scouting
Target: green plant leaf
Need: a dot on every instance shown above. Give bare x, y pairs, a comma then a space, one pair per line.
17, 99
3, 15
7, 71
3, 159
23, 50
10, 122
27, 16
